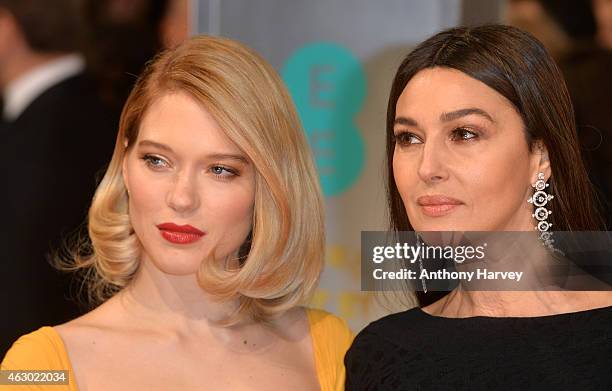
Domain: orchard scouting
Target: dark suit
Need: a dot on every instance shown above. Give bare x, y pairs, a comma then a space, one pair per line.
587, 73
49, 158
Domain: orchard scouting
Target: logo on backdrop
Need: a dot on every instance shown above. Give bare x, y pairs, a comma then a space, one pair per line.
328, 86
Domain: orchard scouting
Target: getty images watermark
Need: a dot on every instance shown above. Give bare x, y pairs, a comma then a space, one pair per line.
407, 253
485, 261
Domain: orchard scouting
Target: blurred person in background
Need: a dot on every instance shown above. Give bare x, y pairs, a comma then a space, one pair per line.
55, 136
603, 17
124, 35
530, 15
175, 26
578, 34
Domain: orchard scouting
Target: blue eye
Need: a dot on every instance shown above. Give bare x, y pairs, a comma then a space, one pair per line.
154, 161
223, 172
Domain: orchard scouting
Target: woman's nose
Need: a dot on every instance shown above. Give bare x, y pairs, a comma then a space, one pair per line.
434, 160
183, 195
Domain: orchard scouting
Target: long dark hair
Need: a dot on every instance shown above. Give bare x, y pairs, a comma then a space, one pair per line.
516, 65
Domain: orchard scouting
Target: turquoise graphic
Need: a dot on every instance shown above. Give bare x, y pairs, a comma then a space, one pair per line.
328, 86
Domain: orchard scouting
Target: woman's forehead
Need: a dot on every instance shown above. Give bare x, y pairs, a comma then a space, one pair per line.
441, 91
178, 119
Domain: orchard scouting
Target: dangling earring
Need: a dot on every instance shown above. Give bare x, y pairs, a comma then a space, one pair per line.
539, 199
418, 240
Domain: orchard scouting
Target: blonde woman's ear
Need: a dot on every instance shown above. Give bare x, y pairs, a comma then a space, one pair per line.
124, 174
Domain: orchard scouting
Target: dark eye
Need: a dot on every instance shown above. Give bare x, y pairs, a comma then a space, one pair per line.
407, 138
155, 162
463, 134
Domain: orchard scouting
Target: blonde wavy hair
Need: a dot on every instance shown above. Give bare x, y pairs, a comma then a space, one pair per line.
282, 258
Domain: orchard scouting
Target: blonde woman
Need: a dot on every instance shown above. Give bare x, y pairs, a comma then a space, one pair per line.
207, 234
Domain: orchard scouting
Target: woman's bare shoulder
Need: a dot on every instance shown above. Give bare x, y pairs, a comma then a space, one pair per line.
106, 317
293, 324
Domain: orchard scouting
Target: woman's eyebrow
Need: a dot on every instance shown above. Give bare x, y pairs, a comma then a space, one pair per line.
149, 143
446, 117
213, 156
453, 115
405, 121
231, 156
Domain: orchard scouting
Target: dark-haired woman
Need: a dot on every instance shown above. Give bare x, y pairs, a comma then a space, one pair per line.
476, 118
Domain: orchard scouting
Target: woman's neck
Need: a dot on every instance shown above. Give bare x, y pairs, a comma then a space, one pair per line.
175, 303
462, 304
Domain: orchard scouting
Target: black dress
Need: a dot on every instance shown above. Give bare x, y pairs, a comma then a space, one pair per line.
413, 350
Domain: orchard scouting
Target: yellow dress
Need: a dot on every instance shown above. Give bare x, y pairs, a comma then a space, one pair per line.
44, 350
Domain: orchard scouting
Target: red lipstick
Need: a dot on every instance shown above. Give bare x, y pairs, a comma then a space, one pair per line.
180, 234
437, 205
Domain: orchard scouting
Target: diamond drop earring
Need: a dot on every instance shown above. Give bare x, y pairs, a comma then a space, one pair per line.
539, 199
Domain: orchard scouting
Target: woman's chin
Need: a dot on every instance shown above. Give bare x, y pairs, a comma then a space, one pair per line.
447, 225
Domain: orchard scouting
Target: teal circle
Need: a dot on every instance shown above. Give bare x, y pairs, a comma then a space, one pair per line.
328, 86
